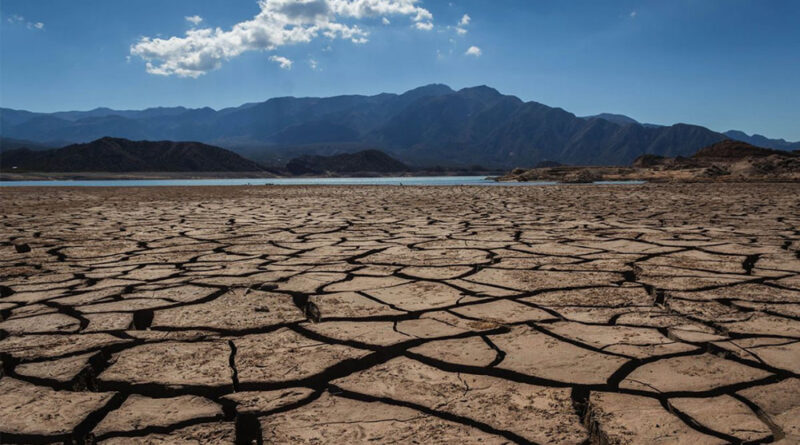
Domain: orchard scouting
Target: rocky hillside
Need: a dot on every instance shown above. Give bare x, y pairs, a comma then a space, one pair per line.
367, 161
122, 155
728, 161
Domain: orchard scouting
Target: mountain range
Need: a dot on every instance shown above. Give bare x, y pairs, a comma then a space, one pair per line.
430, 125
755, 140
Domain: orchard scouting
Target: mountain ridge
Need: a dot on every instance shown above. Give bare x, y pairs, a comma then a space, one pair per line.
428, 125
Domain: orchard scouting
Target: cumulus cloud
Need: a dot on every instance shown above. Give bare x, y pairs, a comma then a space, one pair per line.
194, 19
474, 51
461, 27
283, 62
279, 23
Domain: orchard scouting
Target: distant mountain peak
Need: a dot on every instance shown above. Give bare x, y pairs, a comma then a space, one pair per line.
762, 141
432, 90
620, 119
736, 133
438, 88
481, 90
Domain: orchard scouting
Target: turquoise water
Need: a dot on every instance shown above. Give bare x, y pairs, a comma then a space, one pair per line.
422, 180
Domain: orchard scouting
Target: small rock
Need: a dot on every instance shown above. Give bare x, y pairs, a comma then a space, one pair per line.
313, 313
265, 287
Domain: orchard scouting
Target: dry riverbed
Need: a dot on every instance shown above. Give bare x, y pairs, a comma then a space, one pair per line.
657, 313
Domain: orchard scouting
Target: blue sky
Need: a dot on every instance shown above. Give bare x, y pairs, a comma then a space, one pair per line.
725, 64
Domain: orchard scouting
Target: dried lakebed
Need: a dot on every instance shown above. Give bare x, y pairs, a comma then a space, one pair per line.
564, 314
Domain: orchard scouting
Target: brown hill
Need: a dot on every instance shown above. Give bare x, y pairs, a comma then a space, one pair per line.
730, 150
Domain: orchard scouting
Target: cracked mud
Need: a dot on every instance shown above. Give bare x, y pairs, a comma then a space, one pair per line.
248, 315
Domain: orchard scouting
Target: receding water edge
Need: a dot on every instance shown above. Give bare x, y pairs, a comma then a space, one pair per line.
395, 181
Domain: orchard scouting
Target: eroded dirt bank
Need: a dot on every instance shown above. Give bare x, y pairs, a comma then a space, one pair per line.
565, 314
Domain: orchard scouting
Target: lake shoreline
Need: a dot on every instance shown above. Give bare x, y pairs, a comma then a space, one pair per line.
7, 176
443, 181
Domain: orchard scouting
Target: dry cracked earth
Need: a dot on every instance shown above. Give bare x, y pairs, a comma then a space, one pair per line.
565, 314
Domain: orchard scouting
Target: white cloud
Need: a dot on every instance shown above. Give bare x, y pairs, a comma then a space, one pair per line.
194, 19
461, 27
279, 23
14, 19
385, 21
633, 14
284, 63
474, 51
313, 64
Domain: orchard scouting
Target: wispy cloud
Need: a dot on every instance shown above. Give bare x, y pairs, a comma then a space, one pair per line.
20, 20
283, 62
279, 23
474, 51
633, 14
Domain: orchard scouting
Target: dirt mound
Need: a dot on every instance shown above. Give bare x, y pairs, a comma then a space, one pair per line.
646, 161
